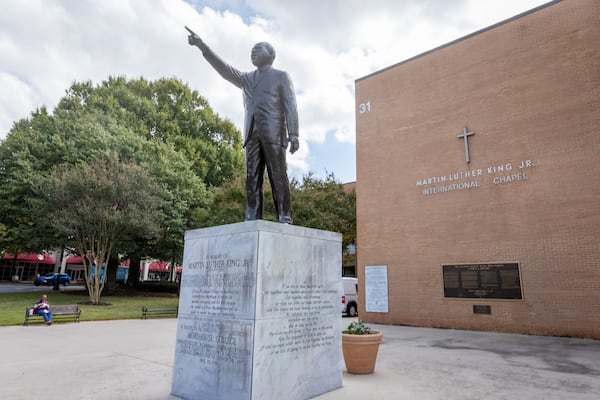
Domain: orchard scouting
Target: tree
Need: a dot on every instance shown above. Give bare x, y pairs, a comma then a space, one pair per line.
323, 204
226, 204
168, 114
3, 236
318, 204
167, 111
98, 204
161, 125
22, 158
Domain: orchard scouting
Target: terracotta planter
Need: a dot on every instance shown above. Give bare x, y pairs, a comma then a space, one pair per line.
360, 351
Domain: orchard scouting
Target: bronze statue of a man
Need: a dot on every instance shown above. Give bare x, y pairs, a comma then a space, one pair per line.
270, 123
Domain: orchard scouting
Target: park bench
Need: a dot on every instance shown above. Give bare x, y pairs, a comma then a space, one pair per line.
160, 312
61, 313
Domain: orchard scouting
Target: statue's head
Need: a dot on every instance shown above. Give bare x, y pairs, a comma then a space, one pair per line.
262, 54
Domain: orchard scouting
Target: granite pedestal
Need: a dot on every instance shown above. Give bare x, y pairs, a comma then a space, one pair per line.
259, 313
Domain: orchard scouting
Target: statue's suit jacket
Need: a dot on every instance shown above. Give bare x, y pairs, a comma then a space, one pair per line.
269, 100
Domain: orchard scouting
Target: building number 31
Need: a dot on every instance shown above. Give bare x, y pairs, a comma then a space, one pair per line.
364, 107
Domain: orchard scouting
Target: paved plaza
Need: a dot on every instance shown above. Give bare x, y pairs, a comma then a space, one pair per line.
133, 359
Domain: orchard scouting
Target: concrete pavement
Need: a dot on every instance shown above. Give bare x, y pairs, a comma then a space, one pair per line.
133, 359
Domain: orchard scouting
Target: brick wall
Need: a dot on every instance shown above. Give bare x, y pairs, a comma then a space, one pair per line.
529, 89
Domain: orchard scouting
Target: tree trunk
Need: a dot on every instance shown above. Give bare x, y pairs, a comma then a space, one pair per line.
134, 270
111, 277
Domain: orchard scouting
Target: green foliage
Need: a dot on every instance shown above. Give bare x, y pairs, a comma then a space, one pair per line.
226, 205
357, 328
97, 198
162, 126
22, 158
3, 237
318, 204
97, 204
166, 111
323, 204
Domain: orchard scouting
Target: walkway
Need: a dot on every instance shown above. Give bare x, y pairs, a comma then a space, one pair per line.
133, 360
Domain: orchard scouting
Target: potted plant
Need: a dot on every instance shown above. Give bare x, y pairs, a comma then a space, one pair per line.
359, 347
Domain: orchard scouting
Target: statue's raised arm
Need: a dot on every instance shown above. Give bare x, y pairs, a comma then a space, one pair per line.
228, 72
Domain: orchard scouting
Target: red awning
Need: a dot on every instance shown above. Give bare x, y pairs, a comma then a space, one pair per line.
77, 260
155, 266
32, 258
158, 267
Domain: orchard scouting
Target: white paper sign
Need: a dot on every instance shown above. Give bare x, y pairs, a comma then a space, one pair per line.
376, 288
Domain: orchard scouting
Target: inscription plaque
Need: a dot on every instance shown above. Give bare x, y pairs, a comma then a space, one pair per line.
491, 281
259, 300
376, 288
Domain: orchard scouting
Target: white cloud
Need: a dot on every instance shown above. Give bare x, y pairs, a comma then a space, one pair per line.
17, 97
324, 45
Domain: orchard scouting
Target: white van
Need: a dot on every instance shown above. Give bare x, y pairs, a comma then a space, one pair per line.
350, 297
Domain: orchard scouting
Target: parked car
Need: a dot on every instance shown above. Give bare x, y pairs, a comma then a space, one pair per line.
350, 297
50, 279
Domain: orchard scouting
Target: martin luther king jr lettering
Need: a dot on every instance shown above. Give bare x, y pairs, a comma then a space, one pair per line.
270, 124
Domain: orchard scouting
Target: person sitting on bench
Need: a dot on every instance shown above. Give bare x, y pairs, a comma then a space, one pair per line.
42, 308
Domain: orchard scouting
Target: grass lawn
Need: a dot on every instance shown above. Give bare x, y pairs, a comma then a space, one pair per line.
12, 305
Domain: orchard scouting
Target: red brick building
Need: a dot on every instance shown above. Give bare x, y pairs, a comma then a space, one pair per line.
478, 179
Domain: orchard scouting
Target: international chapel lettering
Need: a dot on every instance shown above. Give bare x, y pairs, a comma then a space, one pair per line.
471, 179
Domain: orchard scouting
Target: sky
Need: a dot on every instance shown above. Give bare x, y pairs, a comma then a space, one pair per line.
325, 45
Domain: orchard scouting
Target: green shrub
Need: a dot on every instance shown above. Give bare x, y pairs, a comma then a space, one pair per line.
357, 328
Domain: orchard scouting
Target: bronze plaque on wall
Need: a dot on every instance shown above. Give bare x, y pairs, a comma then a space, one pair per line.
482, 309
490, 281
